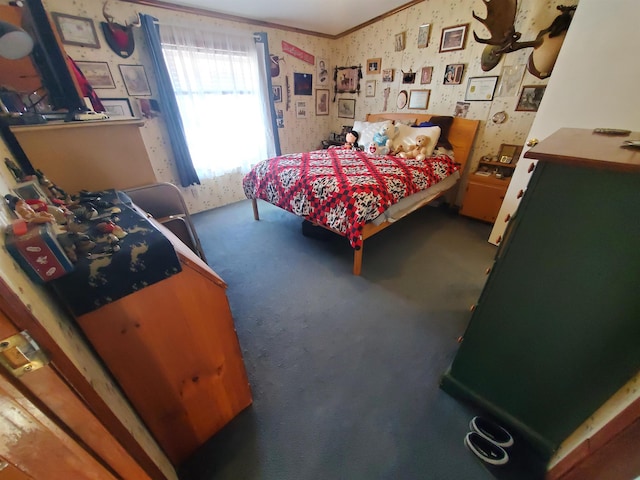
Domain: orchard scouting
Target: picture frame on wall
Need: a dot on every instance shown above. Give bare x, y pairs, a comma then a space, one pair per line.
481, 88
322, 102
530, 98
79, 31
277, 93
347, 79
387, 75
346, 108
419, 99
302, 83
301, 109
399, 41
423, 35
135, 80
117, 107
322, 72
453, 74
453, 38
97, 74
425, 75
370, 88
373, 65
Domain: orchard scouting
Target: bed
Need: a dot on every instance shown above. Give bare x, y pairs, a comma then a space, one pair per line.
356, 194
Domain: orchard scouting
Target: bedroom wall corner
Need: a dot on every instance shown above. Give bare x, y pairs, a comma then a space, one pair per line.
357, 47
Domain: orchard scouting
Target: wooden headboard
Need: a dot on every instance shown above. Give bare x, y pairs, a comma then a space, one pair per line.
461, 135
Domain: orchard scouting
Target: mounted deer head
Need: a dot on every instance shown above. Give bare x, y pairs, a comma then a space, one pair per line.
119, 37
500, 21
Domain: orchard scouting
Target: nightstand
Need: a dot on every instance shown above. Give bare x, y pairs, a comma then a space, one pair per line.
485, 193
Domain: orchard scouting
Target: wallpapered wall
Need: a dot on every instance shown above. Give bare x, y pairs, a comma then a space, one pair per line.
300, 134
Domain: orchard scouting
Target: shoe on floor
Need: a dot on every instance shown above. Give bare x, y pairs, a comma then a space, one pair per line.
486, 450
491, 431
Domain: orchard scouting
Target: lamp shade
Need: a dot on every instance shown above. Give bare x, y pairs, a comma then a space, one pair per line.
14, 42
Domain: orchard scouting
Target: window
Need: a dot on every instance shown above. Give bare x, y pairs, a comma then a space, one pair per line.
220, 84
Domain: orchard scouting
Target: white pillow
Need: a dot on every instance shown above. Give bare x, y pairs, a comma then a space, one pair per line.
367, 130
407, 136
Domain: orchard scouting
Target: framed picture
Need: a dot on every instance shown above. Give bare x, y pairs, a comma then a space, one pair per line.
401, 100
322, 102
370, 89
408, 77
301, 109
481, 88
302, 83
135, 79
322, 72
76, 30
117, 107
453, 38
530, 98
425, 75
30, 190
97, 74
387, 75
509, 153
347, 79
419, 99
510, 79
461, 109
399, 42
373, 65
346, 108
453, 74
277, 93
280, 118
423, 35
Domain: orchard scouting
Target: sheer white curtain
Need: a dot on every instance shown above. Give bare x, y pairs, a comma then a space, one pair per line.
223, 98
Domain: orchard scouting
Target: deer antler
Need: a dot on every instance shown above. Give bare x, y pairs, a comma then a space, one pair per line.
107, 17
501, 16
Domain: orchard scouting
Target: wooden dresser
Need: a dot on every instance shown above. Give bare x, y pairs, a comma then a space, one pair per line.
555, 332
173, 348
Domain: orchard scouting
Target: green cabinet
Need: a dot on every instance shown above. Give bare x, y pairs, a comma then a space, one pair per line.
556, 330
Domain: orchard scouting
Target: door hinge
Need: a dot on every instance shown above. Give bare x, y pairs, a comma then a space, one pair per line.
20, 354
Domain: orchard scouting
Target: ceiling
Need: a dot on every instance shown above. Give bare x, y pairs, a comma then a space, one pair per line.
329, 17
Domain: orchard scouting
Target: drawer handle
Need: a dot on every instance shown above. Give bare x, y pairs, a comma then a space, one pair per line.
508, 217
487, 271
520, 194
531, 167
472, 308
499, 239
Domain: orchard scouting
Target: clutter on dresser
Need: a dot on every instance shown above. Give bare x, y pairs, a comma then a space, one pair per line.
98, 241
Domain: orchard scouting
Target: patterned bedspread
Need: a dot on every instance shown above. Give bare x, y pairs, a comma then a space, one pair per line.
342, 189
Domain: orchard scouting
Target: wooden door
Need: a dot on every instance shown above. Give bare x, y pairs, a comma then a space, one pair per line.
35, 447
49, 431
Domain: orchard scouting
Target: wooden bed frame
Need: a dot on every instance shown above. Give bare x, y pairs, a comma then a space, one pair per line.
461, 135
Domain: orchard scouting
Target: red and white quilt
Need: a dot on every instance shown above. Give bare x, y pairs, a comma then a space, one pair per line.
342, 189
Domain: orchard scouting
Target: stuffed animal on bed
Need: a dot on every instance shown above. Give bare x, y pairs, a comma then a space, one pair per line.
417, 151
384, 139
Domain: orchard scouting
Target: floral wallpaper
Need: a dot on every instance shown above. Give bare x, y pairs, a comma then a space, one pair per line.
374, 41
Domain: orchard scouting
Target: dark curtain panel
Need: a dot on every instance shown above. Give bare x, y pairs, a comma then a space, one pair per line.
186, 171
262, 40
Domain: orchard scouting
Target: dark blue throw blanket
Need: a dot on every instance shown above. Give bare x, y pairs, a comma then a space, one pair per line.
145, 257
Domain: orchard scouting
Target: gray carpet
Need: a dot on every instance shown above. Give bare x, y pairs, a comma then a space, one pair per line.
344, 370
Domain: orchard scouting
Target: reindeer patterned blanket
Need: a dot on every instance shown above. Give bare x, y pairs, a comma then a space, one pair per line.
145, 257
342, 189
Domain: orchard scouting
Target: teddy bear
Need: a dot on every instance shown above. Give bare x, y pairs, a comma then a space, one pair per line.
417, 151
383, 139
